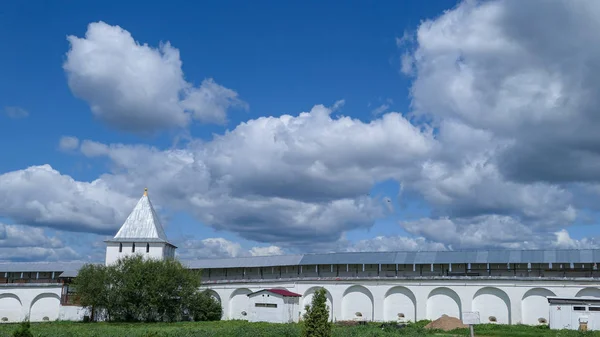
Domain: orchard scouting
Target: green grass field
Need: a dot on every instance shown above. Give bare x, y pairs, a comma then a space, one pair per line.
244, 329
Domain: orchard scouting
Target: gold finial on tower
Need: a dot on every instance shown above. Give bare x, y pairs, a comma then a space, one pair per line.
146, 191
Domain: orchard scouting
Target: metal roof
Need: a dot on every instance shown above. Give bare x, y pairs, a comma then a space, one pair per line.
69, 274
420, 257
248, 262
424, 257
142, 223
573, 300
349, 258
26, 267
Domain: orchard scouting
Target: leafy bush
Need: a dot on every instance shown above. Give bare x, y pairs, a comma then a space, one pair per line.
138, 289
204, 307
316, 318
23, 330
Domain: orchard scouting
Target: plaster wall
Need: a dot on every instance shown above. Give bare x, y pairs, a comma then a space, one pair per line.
157, 251
266, 314
501, 301
39, 302
498, 301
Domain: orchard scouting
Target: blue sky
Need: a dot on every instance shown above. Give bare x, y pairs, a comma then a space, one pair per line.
283, 58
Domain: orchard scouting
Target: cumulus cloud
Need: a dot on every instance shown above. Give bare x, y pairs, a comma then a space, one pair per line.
68, 143
514, 119
563, 240
222, 248
15, 112
391, 243
503, 127
41, 196
524, 71
292, 179
139, 88
24, 243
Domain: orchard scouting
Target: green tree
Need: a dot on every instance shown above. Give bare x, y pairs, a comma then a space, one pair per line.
204, 307
92, 288
316, 317
138, 289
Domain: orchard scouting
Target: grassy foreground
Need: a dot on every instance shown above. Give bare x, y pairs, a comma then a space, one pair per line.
245, 329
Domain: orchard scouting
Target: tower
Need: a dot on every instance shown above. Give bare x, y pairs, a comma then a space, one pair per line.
140, 234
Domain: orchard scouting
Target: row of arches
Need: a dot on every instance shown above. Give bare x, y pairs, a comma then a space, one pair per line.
493, 304
43, 307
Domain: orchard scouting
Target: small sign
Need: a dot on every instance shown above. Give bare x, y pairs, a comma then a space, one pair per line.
471, 317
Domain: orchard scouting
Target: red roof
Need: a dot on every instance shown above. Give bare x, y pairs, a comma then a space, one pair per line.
282, 292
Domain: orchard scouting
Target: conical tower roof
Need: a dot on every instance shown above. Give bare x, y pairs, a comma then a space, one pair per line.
142, 224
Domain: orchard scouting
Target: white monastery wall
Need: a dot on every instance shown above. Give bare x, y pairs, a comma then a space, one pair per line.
498, 301
40, 302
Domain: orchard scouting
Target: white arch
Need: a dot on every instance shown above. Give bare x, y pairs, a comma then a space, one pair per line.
214, 295
534, 305
44, 307
308, 296
238, 304
399, 303
588, 292
443, 301
357, 299
492, 302
10, 307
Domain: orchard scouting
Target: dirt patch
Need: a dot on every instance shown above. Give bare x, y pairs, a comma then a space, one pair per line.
446, 323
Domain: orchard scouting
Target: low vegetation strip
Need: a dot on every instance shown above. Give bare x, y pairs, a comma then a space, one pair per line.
245, 329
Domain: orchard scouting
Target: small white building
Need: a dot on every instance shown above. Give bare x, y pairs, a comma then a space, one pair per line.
274, 306
574, 313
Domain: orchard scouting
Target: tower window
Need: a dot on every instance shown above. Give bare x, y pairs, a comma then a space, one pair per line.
120, 247
147, 248
133, 248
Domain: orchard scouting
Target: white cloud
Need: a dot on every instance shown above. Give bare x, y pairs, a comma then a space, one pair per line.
564, 241
68, 143
136, 87
293, 179
507, 91
266, 251
24, 243
220, 248
15, 112
41, 196
380, 109
392, 243
526, 72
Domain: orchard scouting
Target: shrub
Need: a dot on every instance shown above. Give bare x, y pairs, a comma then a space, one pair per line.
23, 330
204, 307
138, 289
316, 318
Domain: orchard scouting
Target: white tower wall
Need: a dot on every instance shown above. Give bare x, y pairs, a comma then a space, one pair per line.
143, 229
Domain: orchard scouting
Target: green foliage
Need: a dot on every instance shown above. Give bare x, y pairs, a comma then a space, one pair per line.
246, 329
138, 289
23, 330
316, 317
204, 307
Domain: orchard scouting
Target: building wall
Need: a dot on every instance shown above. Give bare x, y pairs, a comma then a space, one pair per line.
499, 300
570, 316
39, 302
502, 301
72, 313
156, 251
262, 314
